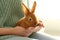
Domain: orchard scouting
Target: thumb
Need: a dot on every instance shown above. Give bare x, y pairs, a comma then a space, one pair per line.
30, 28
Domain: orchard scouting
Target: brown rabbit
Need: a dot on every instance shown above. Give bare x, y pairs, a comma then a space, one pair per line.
29, 19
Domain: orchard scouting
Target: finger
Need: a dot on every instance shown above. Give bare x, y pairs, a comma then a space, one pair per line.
37, 27
41, 23
30, 28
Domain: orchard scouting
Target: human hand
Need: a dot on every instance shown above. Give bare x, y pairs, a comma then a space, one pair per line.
39, 26
26, 32
22, 31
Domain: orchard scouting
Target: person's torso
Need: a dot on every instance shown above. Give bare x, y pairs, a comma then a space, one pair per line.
10, 12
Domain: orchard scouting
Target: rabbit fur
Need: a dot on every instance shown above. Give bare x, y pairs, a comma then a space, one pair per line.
29, 19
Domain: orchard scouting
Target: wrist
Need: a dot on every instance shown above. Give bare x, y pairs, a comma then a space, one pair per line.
6, 31
10, 31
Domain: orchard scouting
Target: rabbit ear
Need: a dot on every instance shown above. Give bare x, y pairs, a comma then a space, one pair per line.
25, 9
34, 6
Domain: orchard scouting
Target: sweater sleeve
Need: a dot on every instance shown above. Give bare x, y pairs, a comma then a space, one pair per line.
10, 12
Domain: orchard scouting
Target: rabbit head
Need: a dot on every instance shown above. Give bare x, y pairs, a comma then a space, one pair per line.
29, 19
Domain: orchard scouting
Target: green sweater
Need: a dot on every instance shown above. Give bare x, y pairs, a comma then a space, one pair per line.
10, 12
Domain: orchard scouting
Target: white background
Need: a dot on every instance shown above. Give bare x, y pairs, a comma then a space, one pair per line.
49, 12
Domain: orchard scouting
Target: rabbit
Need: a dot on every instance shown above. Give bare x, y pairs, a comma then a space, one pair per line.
29, 19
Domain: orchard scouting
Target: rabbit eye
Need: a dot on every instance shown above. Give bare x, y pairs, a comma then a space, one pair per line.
30, 19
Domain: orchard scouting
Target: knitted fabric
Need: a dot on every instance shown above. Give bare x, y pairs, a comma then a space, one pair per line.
10, 12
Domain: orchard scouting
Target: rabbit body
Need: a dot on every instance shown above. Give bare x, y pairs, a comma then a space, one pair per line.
29, 19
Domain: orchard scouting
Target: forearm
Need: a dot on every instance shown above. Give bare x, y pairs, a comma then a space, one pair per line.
16, 31
12, 31
6, 31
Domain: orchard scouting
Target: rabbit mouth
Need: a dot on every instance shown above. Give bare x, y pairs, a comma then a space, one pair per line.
36, 24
